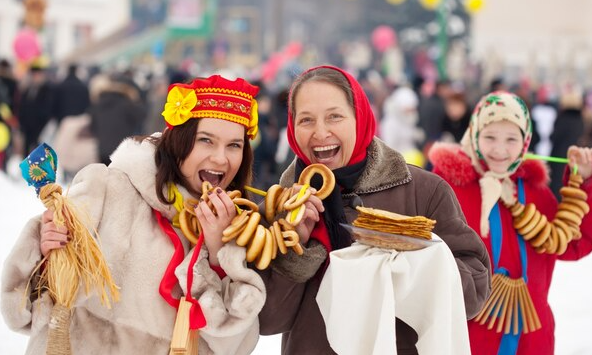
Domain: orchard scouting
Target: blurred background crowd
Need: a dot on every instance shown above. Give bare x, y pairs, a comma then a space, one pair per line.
83, 75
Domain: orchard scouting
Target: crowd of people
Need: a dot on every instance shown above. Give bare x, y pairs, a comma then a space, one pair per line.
415, 150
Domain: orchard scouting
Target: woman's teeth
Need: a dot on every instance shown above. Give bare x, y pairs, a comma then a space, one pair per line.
326, 152
214, 177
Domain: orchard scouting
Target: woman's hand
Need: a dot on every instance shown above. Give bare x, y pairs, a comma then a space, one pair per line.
213, 224
52, 236
583, 158
314, 206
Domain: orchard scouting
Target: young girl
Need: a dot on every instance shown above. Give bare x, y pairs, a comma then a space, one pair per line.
134, 204
489, 175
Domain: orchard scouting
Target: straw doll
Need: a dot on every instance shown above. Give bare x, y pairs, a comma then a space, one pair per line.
79, 263
507, 200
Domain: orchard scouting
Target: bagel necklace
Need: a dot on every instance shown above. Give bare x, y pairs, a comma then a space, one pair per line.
510, 303
262, 243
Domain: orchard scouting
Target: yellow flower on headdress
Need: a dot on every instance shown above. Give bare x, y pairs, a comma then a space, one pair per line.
180, 102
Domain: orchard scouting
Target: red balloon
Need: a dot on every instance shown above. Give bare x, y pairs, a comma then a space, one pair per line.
383, 37
26, 45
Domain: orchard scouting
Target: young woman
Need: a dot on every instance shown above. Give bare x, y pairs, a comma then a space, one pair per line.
488, 174
134, 205
330, 122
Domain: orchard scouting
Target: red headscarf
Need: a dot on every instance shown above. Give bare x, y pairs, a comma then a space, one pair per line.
365, 122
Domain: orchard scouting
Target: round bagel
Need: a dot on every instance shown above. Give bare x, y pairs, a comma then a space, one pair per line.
573, 192
562, 239
236, 225
291, 238
569, 207
297, 218
252, 206
190, 204
583, 205
526, 216
531, 223
185, 224
270, 199
569, 216
284, 196
517, 209
285, 224
265, 256
245, 236
536, 229
326, 174
543, 235
296, 200
551, 242
279, 238
256, 244
576, 178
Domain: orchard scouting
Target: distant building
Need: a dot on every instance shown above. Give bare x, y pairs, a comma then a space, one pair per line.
544, 40
69, 24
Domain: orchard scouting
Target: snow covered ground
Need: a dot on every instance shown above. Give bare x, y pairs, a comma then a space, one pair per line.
570, 297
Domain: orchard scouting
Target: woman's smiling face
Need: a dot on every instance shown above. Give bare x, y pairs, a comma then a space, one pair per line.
324, 124
501, 144
216, 155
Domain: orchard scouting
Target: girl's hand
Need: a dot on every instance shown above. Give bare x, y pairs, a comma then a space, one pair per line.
583, 158
314, 206
213, 224
52, 236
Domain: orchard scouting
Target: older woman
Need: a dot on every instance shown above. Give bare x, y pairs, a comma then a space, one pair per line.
134, 205
331, 122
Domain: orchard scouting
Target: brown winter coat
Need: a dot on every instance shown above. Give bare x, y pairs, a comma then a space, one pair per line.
386, 183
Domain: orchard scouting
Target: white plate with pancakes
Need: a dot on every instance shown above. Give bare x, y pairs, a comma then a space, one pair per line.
391, 241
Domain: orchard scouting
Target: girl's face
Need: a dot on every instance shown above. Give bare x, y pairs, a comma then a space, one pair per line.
216, 155
324, 124
501, 144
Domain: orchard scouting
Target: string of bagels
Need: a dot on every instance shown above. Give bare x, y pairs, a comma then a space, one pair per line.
552, 237
263, 243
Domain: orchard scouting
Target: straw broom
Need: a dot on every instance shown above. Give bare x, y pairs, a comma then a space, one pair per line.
79, 262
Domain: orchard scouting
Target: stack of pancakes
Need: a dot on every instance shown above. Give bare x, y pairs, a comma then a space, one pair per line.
394, 223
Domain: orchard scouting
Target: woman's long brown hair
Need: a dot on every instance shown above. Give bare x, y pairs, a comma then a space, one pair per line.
175, 145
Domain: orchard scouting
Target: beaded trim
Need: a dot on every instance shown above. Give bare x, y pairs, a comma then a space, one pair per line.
225, 91
225, 104
222, 115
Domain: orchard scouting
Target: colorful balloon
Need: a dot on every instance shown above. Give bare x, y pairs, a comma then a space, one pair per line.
474, 6
26, 45
430, 4
383, 37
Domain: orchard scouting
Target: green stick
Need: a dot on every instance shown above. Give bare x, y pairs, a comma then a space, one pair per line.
551, 159
542, 157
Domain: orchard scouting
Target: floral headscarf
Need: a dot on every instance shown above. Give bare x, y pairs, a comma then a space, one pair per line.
494, 107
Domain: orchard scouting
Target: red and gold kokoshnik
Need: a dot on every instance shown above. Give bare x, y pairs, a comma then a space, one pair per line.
214, 97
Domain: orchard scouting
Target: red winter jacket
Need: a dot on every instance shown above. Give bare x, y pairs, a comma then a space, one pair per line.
455, 167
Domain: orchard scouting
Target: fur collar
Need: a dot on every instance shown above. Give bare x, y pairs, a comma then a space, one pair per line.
385, 169
136, 160
455, 166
